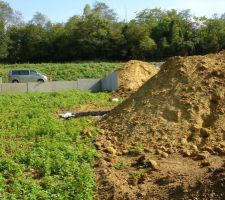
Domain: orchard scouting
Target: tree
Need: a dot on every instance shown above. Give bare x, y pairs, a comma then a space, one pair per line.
151, 17
8, 16
95, 35
6, 13
28, 44
87, 10
3, 41
173, 34
58, 41
139, 44
210, 37
39, 19
154, 33
102, 11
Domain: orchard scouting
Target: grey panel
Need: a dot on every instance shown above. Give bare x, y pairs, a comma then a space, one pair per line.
13, 87
110, 83
93, 85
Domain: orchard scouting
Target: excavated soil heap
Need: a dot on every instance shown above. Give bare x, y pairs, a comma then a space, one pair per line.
133, 75
184, 101
167, 141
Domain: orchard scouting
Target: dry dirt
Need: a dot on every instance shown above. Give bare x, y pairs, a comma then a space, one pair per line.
167, 141
133, 75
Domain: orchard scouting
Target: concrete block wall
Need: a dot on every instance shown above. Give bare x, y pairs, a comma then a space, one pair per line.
64, 85
39, 87
52, 86
110, 83
89, 84
13, 87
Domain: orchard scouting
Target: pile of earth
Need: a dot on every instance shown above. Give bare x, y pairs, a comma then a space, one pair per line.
167, 141
133, 75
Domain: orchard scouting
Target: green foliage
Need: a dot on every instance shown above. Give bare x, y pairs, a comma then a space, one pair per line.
98, 35
122, 164
42, 156
6, 13
137, 174
138, 41
137, 148
67, 71
3, 41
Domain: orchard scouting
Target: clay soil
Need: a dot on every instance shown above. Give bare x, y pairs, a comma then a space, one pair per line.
133, 75
167, 141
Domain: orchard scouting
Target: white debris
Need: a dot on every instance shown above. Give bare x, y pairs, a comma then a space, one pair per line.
67, 115
115, 99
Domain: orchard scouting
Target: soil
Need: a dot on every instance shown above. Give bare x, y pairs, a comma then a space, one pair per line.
167, 141
86, 108
133, 75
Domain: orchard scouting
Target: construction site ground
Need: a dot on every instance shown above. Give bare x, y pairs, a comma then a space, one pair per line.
167, 140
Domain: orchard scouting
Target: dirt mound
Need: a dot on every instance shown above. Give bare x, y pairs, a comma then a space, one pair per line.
169, 137
133, 75
184, 102
213, 187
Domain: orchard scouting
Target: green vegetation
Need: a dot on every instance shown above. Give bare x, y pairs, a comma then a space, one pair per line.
42, 156
137, 148
137, 174
122, 164
154, 34
68, 71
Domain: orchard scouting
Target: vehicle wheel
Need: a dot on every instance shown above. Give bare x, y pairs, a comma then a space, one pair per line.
40, 81
15, 81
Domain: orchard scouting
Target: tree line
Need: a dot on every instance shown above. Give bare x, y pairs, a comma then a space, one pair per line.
97, 34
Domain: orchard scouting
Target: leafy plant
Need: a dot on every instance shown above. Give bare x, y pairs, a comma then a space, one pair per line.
42, 156
138, 173
137, 149
122, 164
67, 71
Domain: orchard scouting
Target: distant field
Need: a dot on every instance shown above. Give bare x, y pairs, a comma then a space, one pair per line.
42, 156
67, 71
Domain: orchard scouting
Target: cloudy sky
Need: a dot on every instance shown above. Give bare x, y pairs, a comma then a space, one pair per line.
61, 10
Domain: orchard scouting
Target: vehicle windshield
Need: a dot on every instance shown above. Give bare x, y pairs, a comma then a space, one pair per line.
32, 72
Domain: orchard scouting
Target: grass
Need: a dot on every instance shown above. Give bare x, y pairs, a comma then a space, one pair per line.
137, 149
122, 164
41, 156
138, 173
67, 71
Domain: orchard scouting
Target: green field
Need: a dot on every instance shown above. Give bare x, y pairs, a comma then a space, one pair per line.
68, 71
42, 156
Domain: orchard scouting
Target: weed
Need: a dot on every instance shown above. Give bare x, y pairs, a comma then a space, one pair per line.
122, 164
43, 157
138, 173
137, 149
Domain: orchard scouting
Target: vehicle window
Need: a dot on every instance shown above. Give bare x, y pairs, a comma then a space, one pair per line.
15, 73
32, 72
24, 72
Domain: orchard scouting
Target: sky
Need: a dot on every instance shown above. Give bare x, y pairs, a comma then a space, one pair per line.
62, 10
